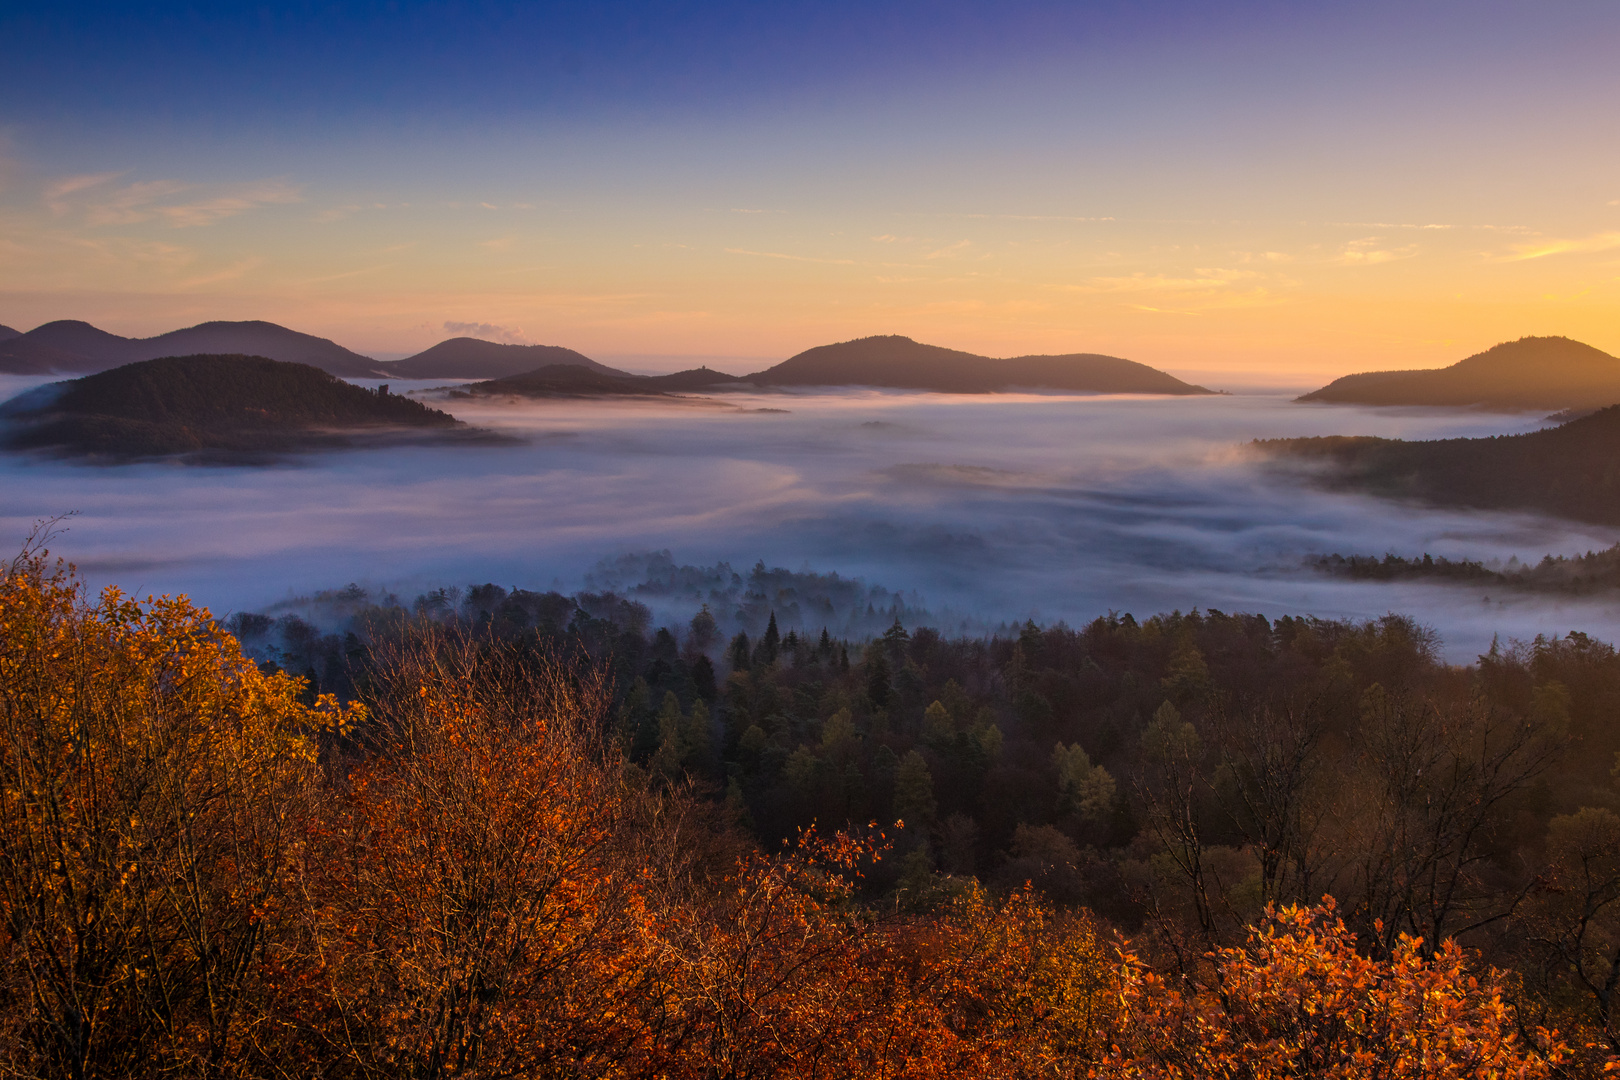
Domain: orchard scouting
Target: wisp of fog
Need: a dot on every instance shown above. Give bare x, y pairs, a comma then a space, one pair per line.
984, 509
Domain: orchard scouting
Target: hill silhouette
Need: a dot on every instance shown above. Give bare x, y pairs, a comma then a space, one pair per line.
70, 346
901, 363
473, 358
1572, 470
205, 404
1531, 373
572, 380
7, 333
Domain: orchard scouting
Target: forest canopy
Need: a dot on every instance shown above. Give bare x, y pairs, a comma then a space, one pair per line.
190, 405
1569, 470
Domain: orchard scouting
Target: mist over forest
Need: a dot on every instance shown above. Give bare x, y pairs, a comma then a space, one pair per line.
982, 511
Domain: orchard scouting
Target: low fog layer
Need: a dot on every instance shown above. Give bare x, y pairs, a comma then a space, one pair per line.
980, 509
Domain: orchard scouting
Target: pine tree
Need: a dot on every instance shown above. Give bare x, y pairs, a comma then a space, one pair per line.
895, 639
739, 652
914, 801
877, 678
770, 646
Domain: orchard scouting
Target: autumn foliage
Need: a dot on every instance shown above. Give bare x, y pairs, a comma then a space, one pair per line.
203, 874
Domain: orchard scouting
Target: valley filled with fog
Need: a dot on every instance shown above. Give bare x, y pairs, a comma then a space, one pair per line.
979, 509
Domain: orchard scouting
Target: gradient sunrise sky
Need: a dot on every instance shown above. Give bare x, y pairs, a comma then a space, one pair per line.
1295, 189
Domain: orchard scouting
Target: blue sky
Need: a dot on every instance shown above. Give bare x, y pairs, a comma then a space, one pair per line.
1287, 187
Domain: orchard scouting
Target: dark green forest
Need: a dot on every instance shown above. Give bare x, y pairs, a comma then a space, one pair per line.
199, 404
1174, 775
1564, 575
1572, 470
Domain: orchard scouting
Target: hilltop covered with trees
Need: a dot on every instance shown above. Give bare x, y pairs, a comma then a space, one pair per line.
200, 405
1569, 470
503, 851
1531, 373
1568, 575
891, 360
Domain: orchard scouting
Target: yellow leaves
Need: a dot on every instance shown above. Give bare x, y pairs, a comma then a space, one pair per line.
1298, 997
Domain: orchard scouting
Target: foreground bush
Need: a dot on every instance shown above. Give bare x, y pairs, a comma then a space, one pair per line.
153, 782
1298, 1000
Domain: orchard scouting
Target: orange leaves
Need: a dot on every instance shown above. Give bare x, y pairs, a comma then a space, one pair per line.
1297, 999
147, 775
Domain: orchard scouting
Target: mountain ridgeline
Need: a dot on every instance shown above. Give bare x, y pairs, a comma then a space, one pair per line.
574, 381
474, 358
70, 347
208, 406
900, 363
889, 362
1531, 373
1571, 471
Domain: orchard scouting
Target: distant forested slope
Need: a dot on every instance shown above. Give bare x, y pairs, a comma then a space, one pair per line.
901, 363
1572, 470
572, 380
1531, 373
189, 404
69, 346
474, 358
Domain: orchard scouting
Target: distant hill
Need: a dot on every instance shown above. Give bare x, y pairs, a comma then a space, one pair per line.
572, 380
7, 333
1572, 470
698, 378
901, 363
472, 358
197, 405
1531, 373
73, 347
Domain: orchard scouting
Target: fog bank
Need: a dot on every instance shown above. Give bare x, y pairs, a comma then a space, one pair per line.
981, 509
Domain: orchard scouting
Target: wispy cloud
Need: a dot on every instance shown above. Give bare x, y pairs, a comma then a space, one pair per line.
950, 251
57, 192
1367, 252
792, 258
1540, 249
173, 202
506, 335
230, 273
1201, 279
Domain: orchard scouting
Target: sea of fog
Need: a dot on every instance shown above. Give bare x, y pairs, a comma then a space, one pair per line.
979, 510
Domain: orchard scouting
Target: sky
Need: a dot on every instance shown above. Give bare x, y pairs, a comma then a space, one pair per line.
1250, 190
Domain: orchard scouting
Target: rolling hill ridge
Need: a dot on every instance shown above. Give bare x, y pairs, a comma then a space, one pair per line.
191, 405
72, 347
474, 358
896, 362
1531, 373
1571, 471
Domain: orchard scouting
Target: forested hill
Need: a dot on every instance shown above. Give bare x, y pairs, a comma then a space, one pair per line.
472, 358
191, 404
1531, 373
901, 363
69, 346
1572, 470
572, 380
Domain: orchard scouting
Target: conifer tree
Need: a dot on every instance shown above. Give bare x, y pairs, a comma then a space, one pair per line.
914, 801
